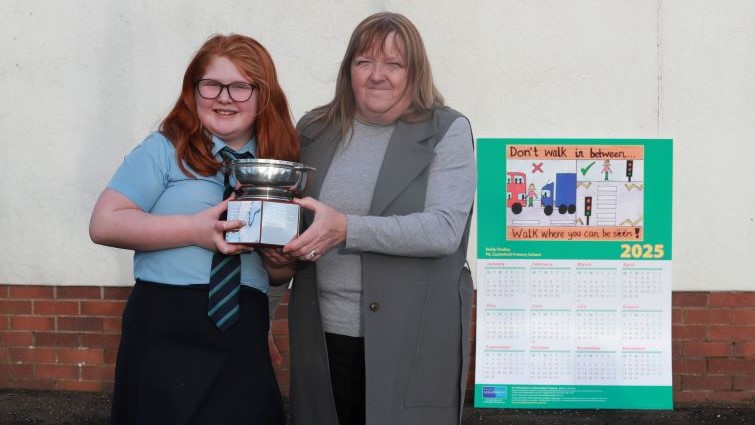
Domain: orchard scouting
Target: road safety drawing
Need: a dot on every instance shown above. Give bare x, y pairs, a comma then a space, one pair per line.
597, 189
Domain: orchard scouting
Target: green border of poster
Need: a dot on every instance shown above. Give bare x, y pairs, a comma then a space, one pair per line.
573, 397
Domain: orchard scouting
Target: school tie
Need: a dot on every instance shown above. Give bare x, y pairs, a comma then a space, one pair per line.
225, 275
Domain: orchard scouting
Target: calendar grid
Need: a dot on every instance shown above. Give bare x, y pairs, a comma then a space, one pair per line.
560, 322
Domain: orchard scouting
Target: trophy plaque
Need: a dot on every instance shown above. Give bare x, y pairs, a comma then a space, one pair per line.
265, 191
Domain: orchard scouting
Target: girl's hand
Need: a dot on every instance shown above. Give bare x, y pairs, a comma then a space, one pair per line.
210, 230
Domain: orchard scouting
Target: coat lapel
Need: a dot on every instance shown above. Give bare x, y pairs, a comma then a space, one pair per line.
317, 152
406, 157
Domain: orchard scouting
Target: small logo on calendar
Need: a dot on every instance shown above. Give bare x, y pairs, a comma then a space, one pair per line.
494, 392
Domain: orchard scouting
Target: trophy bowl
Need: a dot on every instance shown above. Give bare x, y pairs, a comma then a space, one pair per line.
269, 178
266, 189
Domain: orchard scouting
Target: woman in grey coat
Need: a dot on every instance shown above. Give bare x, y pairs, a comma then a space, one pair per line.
381, 303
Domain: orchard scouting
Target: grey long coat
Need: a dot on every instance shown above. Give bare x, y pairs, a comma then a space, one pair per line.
417, 311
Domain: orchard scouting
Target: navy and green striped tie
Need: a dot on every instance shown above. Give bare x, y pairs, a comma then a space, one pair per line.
225, 275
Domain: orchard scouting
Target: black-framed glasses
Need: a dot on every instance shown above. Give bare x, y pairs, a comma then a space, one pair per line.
239, 92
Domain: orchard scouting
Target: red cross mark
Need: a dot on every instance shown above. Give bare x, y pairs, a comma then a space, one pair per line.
537, 167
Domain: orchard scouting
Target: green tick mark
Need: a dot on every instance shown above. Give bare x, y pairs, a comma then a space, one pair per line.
586, 169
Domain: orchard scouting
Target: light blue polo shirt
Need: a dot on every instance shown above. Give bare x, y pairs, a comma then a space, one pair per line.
150, 178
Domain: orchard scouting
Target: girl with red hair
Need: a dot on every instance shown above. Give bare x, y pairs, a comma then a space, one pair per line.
181, 360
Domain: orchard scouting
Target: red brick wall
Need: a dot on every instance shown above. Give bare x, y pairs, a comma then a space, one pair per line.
59, 337
280, 335
714, 347
66, 338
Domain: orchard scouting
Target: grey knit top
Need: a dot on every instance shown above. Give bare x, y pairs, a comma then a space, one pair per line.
348, 187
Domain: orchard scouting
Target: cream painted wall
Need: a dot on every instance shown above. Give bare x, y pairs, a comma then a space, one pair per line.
83, 81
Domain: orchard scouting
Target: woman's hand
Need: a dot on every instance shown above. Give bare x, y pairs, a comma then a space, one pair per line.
327, 231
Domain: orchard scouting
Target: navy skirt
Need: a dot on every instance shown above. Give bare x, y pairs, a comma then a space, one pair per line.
175, 367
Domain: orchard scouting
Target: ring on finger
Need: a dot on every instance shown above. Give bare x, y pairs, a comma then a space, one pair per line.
313, 253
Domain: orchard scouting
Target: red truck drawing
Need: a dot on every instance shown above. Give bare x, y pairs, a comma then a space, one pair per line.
516, 191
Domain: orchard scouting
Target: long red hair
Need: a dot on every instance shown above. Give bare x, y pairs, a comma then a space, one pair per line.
273, 126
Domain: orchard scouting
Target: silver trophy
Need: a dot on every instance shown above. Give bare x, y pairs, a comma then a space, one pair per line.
265, 189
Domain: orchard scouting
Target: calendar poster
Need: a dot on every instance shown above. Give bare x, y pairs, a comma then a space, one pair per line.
574, 274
